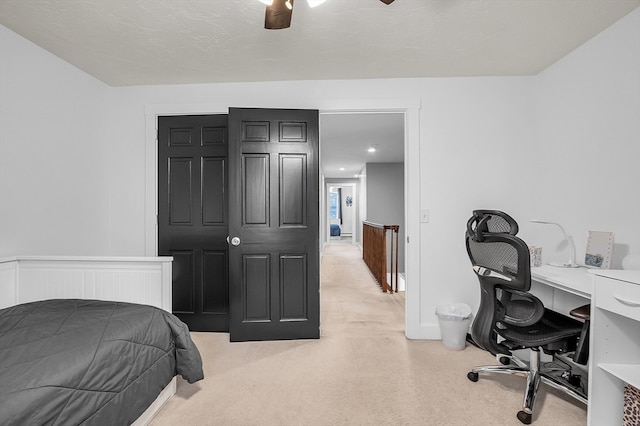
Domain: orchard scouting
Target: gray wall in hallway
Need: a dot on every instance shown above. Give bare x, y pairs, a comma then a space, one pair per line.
385, 199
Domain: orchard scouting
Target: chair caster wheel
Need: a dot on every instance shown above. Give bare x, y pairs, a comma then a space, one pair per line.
524, 417
504, 360
472, 376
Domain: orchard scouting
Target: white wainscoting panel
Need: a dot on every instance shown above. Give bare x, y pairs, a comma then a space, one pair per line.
144, 280
8, 279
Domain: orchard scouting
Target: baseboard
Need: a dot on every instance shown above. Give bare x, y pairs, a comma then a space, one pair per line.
423, 332
401, 284
146, 417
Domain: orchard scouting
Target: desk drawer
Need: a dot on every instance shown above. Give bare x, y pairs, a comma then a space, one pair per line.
620, 297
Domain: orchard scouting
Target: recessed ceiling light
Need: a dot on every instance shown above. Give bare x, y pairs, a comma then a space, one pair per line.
372, 148
342, 169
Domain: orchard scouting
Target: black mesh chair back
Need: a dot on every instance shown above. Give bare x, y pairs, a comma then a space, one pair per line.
501, 261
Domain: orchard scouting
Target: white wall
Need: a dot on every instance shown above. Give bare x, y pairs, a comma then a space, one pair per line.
348, 210
477, 136
535, 160
459, 116
53, 141
362, 202
73, 153
587, 156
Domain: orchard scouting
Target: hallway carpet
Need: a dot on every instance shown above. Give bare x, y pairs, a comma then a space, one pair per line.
362, 371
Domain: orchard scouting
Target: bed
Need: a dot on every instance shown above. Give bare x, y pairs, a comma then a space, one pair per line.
75, 358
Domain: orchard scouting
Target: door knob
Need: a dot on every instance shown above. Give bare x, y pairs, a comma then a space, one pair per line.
235, 241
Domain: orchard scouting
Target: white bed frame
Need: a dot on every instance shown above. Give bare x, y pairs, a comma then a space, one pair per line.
144, 280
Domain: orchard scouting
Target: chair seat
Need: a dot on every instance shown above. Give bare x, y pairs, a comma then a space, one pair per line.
553, 327
583, 312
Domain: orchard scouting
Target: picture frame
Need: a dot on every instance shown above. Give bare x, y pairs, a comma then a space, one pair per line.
599, 249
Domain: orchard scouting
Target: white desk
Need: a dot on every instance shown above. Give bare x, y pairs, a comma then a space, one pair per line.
614, 350
572, 280
562, 289
614, 343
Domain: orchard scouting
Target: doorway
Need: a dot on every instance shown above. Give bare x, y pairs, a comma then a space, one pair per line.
341, 213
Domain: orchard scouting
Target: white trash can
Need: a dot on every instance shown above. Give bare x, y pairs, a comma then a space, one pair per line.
454, 319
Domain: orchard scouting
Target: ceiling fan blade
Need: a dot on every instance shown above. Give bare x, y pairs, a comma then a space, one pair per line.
278, 15
387, 1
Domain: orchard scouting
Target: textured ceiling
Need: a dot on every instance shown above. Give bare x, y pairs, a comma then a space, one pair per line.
146, 42
126, 42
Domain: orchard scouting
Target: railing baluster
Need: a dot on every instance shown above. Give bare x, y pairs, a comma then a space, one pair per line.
374, 253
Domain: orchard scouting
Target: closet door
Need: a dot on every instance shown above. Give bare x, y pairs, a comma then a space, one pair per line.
273, 224
193, 219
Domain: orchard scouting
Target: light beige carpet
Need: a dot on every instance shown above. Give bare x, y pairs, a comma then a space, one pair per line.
362, 371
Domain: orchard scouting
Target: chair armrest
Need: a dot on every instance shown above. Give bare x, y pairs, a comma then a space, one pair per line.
519, 308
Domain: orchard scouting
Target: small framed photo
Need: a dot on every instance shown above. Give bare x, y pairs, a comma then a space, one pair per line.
536, 256
599, 249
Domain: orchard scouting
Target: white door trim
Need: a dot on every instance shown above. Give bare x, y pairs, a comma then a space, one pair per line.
411, 109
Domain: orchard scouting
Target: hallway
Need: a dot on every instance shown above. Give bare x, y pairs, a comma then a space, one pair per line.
351, 298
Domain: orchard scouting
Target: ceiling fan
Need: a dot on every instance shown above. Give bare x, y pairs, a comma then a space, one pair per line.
278, 14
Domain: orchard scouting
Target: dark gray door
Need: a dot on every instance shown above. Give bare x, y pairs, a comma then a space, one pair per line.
193, 216
273, 224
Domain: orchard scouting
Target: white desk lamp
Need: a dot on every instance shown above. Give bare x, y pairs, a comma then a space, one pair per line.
572, 260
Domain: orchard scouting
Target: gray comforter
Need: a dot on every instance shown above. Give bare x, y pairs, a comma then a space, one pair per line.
70, 362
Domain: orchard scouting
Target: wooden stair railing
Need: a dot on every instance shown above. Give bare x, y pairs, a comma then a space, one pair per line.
374, 253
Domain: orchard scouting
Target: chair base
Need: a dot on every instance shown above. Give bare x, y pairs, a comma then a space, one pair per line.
534, 376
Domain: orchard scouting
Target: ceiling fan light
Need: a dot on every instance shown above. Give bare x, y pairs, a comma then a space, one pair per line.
267, 2
314, 3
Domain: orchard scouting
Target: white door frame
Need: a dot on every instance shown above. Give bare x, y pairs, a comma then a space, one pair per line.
411, 109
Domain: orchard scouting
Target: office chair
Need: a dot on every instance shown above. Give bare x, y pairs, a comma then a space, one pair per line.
509, 317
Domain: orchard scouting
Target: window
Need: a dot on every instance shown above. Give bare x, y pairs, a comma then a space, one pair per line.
334, 205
